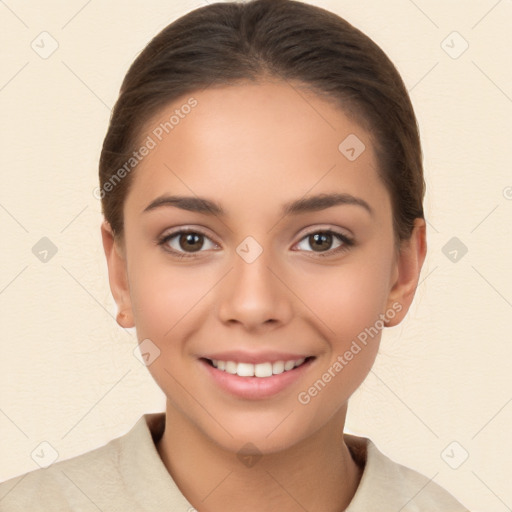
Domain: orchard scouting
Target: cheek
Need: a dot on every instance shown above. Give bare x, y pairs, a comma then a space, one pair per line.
347, 298
164, 296
347, 302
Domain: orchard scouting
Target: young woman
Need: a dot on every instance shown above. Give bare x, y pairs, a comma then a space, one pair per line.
262, 187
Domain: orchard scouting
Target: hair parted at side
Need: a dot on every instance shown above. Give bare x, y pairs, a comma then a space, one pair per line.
230, 43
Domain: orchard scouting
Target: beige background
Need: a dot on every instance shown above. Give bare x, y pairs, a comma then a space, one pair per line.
68, 374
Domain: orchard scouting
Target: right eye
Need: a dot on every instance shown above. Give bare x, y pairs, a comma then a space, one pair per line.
183, 240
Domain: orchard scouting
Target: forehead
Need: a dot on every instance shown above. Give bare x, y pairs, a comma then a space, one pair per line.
256, 144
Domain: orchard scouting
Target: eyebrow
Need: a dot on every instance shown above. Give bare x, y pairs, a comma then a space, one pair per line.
303, 205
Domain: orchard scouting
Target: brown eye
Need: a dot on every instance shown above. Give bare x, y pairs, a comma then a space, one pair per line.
186, 243
190, 241
321, 242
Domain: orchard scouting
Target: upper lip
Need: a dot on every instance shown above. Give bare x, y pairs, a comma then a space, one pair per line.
254, 357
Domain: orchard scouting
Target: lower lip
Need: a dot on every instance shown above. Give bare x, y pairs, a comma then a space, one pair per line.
254, 388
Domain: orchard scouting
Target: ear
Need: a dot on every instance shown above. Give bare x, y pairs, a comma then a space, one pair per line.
117, 275
407, 272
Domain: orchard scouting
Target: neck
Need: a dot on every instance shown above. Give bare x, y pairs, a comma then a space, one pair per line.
316, 474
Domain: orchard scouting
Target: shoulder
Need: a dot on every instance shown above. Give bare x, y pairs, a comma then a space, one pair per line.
59, 485
106, 478
386, 484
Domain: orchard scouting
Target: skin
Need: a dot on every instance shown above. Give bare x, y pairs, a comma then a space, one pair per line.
251, 148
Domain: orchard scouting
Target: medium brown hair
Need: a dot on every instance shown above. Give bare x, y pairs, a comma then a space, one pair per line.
229, 43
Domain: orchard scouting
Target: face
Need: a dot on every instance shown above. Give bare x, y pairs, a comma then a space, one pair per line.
298, 295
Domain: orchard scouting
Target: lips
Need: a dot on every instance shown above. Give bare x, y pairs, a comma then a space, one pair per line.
251, 376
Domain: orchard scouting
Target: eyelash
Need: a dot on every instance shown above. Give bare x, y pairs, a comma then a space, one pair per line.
347, 242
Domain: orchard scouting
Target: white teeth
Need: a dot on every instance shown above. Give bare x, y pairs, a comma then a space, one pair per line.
278, 367
289, 365
263, 370
245, 370
231, 367
256, 370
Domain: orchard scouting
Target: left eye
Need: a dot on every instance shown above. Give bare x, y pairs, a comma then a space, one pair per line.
324, 240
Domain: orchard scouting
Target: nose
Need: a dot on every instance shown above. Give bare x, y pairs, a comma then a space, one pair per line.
255, 295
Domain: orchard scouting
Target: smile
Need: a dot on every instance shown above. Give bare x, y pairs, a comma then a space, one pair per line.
266, 369
255, 376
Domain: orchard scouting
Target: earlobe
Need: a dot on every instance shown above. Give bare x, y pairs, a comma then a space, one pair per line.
117, 275
408, 267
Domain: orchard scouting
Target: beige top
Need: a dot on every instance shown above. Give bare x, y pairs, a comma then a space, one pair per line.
127, 475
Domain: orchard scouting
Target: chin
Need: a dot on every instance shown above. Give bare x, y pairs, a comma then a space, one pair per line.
265, 432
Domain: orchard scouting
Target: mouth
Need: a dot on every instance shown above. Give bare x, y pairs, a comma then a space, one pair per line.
259, 370
247, 375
